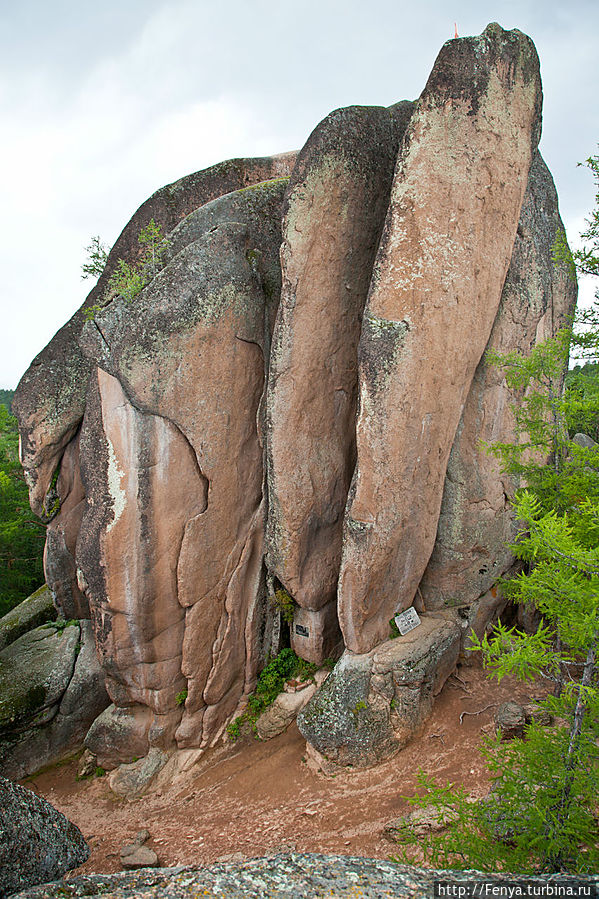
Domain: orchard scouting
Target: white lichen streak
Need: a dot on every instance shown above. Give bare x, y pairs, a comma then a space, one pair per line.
118, 495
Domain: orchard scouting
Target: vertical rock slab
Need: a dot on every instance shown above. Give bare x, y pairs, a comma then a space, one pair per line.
193, 348
476, 521
61, 537
142, 486
334, 212
50, 398
437, 282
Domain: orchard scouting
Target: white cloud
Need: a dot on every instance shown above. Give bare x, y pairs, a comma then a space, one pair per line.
102, 108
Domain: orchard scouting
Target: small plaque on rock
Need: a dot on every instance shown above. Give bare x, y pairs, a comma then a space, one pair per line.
407, 621
302, 631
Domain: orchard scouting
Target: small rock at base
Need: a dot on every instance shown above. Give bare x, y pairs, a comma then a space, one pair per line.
87, 764
431, 819
140, 857
510, 720
539, 715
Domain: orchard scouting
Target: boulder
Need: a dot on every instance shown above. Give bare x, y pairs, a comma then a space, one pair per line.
476, 522
510, 719
422, 821
37, 609
35, 671
48, 737
87, 765
536, 713
296, 400
131, 781
333, 216
280, 714
119, 735
138, 857
438, 276
372, 704
584, 440
38, 843
315, 635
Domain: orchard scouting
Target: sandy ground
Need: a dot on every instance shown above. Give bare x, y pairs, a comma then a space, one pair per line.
257, 798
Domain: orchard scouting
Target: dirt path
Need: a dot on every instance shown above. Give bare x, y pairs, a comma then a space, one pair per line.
256, 798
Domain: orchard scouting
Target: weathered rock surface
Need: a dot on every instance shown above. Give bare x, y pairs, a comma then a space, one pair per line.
476, 520
131, 781
68, 498
119, 735
292, 876
38, 844
34, 611
143, 485
510, 719
35, 671
315, 635
333, 217
584, 440
139, 857
194, 523
204, 444
438, 276
372, 704
59, 688
278, 716
421, 821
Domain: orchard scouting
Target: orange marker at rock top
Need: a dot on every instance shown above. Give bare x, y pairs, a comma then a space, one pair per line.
456, 29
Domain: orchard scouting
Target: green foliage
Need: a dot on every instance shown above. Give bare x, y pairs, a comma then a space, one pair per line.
6, 397
270, 683
283, 602
90, 312
520, 827
393, 629
587, 258
360, 706
97, 254
21, 534
582, 398
126, 281
129, 280
60, 624
181, 697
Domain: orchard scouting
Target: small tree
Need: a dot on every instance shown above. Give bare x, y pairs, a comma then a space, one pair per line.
97, 254
129, 280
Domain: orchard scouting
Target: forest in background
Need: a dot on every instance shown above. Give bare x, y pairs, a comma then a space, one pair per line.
22, 535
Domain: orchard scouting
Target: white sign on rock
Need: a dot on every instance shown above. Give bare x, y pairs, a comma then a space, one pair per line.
407, 621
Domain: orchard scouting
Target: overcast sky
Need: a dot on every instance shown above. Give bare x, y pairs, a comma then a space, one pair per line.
104, 102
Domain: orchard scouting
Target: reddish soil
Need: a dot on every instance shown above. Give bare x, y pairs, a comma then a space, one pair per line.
257, 798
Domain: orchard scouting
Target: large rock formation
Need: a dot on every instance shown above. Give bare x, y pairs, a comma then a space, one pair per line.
294, 403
